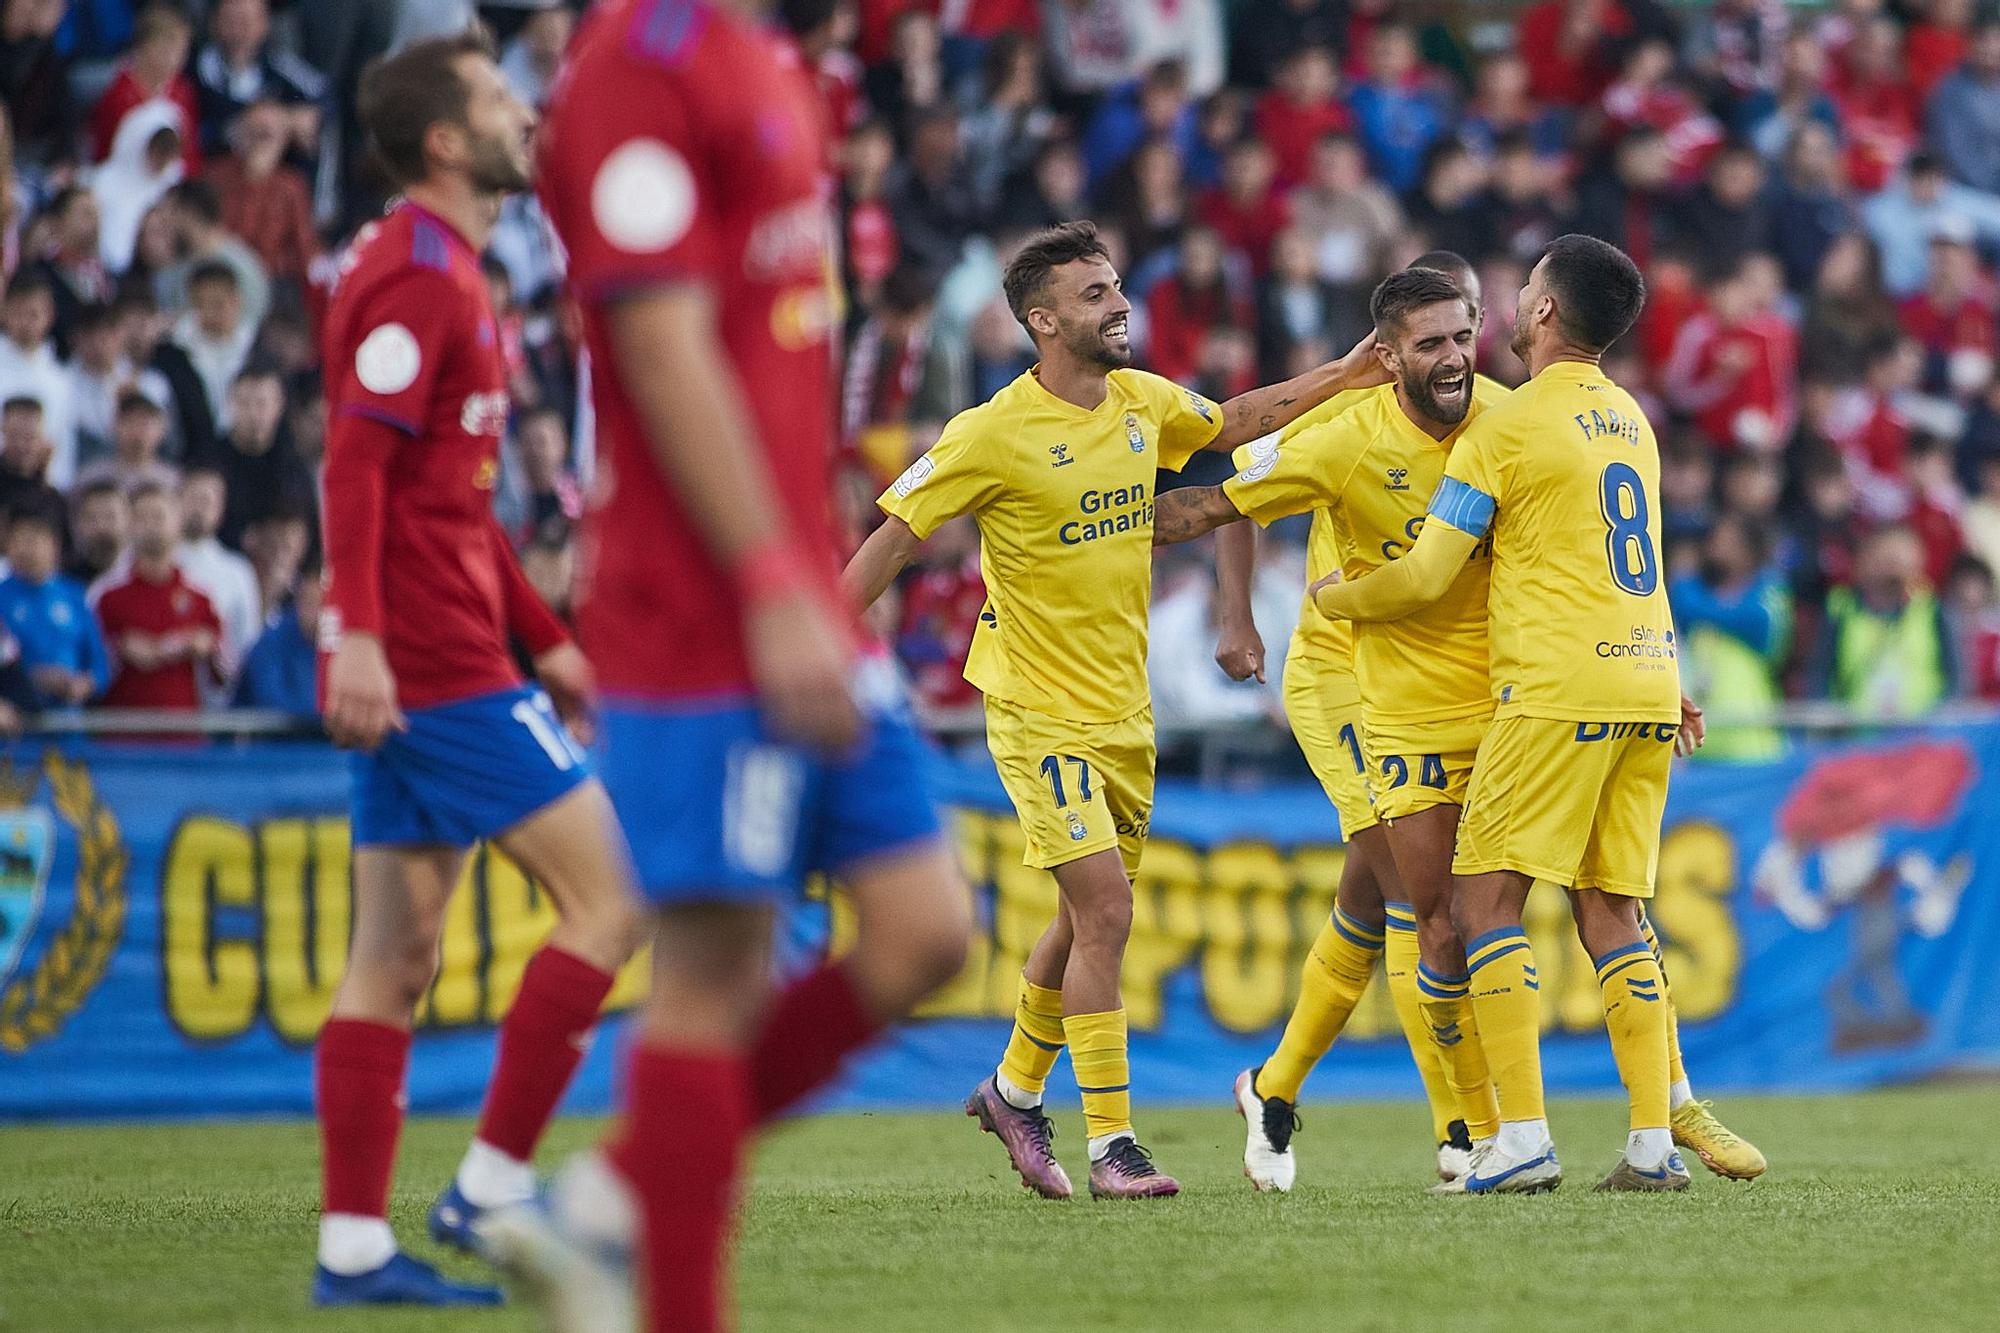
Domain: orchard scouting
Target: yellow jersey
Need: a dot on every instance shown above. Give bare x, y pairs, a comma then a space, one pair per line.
1064, 502
1370, 471
1564, 478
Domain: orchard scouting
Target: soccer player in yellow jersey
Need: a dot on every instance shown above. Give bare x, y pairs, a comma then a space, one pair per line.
1560, 482
1059, 471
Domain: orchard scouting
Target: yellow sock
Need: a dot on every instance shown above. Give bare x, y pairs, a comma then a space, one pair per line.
1037, 1039
1454, 1034
1676, 1071
1399, 964
1635, 1013
1507, 997
1103, 1073
1336, 973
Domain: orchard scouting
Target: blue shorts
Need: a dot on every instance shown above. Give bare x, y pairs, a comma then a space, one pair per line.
716, 811
465, 770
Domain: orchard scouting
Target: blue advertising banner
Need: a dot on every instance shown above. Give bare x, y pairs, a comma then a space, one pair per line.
173, 920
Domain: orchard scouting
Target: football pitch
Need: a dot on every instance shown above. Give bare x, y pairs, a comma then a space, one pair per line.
1881, 1209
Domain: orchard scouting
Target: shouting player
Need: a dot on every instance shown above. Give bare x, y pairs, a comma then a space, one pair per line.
746, 742
1561, 483
451, 746
1059, 470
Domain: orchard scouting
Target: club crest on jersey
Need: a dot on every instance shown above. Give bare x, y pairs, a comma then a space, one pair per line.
1060, 453
484, 413
1077, 831
1399, 479
1133, 435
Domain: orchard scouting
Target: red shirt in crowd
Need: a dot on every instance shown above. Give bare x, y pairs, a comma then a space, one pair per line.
1568, 75
1964, 326
416, 398
1291, 129
1178, 321
1740, 381
177, 619
941, 609
1691, 134
123, 94
670, 155
1930, 52
1248, 228
1881, 121
273, 216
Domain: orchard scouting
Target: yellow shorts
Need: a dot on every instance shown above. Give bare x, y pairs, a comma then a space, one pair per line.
1575, 803
1415, 765
1323, 705
1078, 787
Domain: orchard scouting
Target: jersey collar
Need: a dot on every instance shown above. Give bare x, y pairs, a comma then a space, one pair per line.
456, 235
1064, 405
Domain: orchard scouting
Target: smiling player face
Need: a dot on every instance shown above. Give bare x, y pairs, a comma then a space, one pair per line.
1430, 352
499, 130
1091, 315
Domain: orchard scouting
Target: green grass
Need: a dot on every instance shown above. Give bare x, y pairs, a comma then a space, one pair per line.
1880, 1210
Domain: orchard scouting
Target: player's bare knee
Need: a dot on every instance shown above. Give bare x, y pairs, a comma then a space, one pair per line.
1105, 921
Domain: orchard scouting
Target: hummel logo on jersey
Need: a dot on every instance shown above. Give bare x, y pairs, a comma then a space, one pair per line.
1399, 479
1061, 454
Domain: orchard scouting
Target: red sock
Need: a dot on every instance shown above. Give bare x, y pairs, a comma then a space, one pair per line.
358, 1069
687, 1117
814, 1024
541, 1044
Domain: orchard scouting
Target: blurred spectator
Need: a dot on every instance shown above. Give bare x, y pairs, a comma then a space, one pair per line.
1180, 658
239, 66
1053, 194
161, 37
1981, 518
98, 374
1264, 34
264, 201
549, 491
1571, 47
1733, 619
1808, 204
1904, 217
1092, 45
941, 606
912, 78
1189, 31
100, 525
1006, 127
1522, 198
1220, 122
1152, 201
868, 230
1936, 504
1399, 111
885, 363
1184, 306
164, 371
1880, 113
823, 30
278, 543
74, 268
1649, 95
1953, 320
1735, 47
164, 637
1735, 367
1157, 107
1629, 205
1752, 487
1295, 310
46, 612
1867, 424
1687, 489
548, 563
137, 433
1726, 217
32, 82
29, 367
215, 333
193, 211
1302, 107
1885, 649
1350, 221
1937, 40
1501, 107
1965, 113
223, 576
533, 54
260, 464
144, 164
1770, 118
933, 211
24, 456
1246, 209
1825, 530
282, 669
1847, 311
1450, 208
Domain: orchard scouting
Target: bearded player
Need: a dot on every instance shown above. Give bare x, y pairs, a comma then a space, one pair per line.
1058, 470
747, 740
450, 745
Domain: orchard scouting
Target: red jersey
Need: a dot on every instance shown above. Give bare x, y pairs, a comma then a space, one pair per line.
681, 145
414, 553
171, 611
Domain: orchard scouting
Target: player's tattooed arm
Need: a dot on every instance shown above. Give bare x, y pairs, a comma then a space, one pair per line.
1187, 512
1259, 412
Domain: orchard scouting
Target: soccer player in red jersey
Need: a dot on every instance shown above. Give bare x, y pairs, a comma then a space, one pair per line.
746, 739
451, 746
163, 633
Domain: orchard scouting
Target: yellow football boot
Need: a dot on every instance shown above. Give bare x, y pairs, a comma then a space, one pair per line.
1720, 1150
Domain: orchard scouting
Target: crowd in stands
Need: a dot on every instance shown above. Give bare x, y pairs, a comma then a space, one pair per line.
1814, 196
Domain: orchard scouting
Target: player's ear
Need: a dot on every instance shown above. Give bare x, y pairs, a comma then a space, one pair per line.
1042, 321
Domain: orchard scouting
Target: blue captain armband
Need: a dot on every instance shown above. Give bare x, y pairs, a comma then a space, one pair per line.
1466, 508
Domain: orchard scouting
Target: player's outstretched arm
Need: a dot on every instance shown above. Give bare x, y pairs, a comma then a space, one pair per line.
1187, 512
1239, 648
667, 348
875, 566
1257, 413
1401, 586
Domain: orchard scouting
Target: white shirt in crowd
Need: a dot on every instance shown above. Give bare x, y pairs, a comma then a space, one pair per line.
36, 373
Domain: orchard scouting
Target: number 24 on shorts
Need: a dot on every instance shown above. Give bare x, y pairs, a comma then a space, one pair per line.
1430, 770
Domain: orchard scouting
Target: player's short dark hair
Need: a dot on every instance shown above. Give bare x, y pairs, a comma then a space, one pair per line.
21, 402
1598, 289
1409, 290
214, 270
1028, 274
406, 92
199, 198
1448, 262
